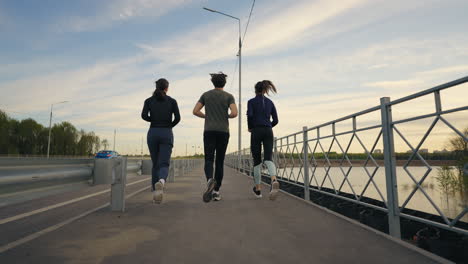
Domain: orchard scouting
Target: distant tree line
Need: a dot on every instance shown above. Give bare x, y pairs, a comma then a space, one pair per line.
450, 155
27, 137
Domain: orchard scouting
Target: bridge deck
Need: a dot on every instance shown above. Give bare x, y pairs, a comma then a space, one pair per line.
238, 229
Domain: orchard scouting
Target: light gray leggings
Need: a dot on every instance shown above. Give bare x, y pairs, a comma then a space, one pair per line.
258, 170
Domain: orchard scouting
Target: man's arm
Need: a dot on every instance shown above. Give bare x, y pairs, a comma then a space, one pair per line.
197, 110
233, 109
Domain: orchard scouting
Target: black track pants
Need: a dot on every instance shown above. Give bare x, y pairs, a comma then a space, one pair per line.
259, 136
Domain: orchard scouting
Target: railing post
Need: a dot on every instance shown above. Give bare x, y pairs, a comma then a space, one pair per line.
305, 146
275, 158
390, 168
244, 168
171, 172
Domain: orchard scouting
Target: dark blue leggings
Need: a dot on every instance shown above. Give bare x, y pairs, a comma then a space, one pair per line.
160, 141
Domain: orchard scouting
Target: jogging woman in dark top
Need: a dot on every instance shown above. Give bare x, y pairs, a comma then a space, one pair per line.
158, 109
259, 111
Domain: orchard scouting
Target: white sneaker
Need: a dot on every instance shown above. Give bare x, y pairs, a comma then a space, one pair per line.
158, 192
216, 196
274, 190
258, 194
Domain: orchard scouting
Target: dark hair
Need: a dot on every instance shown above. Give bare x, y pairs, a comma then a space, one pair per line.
265, 86
218, 79
161, 85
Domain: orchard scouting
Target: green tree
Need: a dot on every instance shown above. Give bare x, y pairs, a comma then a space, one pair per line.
97, 144
446, 179
105, 144
4, 132
459, 146
64, 138
13, 139
88, 143
28, 137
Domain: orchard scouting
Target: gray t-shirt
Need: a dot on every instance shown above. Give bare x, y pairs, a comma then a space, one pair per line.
216, 104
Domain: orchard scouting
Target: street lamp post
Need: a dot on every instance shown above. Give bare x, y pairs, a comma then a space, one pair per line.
50, 124
195, 149
240, 80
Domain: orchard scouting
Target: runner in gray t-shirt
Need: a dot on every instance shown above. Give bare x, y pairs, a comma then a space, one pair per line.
217, 104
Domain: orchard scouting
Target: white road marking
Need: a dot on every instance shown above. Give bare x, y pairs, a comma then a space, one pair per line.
42, 189
47, 208
59, 225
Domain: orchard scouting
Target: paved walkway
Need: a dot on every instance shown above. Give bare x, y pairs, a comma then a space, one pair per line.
238, 229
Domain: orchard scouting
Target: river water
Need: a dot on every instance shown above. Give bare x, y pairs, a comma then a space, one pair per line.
450, 203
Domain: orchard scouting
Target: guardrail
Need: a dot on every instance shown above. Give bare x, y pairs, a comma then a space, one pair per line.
305, 157
24, 171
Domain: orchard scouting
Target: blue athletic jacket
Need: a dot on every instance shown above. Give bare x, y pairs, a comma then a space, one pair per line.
259, 111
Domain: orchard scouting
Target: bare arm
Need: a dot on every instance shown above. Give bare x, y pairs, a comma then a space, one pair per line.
197, 110
233, 109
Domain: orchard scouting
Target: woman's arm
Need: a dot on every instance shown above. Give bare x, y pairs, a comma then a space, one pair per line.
250, 115
175, 110
274, 115
145, 111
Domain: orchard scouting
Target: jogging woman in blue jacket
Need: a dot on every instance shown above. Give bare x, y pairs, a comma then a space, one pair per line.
262, 117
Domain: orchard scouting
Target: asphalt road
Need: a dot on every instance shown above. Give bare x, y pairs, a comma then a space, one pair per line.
20, 220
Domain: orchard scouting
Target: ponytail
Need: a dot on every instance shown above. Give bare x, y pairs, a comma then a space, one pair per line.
265, 86
161, 85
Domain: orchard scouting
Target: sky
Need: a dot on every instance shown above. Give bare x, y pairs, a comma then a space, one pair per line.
327, 58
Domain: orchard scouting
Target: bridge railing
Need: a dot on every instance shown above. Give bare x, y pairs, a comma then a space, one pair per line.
322, 157
180, 167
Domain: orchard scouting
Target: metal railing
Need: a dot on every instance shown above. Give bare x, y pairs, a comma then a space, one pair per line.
305, 157
17, 171
182, 166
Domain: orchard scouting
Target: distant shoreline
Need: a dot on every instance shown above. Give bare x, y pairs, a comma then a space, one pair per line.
360, 163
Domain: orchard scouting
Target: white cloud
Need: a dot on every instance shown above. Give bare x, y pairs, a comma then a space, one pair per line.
105, 96
119, 11
395, 84
378, 66
458, 69
267, 33
423, 79
278, 27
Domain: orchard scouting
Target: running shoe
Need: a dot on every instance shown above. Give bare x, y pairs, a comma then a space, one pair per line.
208, 194
216, 196
274, 190
158, 192
257, 193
